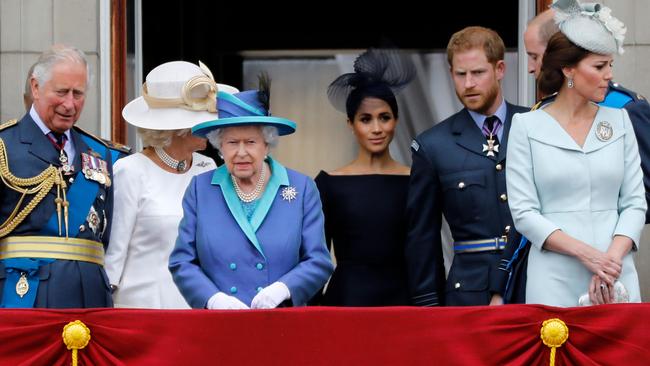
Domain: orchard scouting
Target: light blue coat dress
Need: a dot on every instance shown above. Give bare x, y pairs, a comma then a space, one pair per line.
591, 193
218, 249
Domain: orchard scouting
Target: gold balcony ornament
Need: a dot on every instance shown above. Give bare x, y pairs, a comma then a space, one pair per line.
76, 336
554, 333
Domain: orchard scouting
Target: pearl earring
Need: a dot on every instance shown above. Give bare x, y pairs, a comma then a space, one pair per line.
569, 83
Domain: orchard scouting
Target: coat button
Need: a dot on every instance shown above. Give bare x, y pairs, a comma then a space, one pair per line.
233, 266
503, 197
259, 289
259, 266
507, 229
461, 185
457, 285
233, 290
499, 167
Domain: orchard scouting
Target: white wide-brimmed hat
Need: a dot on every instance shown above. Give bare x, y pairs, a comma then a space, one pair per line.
176, 95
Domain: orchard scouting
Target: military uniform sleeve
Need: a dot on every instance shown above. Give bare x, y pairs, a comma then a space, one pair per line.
423, 251
639, 112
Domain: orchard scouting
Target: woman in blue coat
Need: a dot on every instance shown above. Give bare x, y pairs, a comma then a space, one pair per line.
252, 232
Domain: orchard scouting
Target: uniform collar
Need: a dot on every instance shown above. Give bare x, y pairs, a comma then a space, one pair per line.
39, 122
501, 112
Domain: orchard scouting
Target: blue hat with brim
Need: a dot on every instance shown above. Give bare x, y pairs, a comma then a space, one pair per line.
243, 109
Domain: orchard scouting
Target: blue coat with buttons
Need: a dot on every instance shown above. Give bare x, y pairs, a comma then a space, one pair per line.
219, 250
452, 176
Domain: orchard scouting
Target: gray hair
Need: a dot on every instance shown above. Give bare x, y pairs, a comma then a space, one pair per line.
54, 55
28, 98
270, 134
159, 138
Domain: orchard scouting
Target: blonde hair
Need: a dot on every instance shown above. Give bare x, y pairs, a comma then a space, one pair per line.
160, 138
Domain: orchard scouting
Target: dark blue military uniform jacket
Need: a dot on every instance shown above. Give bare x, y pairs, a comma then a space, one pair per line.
63, 283
451, 175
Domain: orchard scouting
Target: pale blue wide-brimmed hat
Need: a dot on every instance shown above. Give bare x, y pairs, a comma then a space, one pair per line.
243, 109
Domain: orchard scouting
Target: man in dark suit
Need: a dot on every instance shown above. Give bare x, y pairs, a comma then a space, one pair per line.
56, 198
459, 171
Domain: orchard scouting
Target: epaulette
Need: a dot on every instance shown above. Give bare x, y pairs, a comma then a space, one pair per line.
8, 124
98, 139
109, 144
118, 147
632, 94
544, 101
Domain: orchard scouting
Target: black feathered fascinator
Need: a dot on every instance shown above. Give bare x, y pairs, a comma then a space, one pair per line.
377, 73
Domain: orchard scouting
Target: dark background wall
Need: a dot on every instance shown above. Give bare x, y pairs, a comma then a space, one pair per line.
205, 30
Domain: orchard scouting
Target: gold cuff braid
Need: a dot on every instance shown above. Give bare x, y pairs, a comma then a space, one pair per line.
39, 186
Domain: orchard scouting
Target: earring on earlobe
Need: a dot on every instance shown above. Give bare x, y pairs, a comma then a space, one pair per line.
569, 83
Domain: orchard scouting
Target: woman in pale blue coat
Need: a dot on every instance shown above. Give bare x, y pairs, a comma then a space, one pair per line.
252, 233
573, 177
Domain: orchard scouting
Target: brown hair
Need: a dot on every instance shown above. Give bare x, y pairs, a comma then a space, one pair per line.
560, 53
477, 37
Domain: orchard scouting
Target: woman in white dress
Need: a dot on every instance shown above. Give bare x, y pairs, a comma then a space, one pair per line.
574, 178
149, 185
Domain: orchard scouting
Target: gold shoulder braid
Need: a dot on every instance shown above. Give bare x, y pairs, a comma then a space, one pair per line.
8, 124
39, 186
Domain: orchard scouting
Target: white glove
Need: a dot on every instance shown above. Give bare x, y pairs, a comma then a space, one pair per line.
271, 296
223, 301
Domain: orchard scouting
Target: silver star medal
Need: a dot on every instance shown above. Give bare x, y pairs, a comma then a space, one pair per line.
491, 147
93, 220
289, 193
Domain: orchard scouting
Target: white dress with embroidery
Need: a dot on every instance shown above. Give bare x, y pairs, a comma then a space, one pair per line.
146, 214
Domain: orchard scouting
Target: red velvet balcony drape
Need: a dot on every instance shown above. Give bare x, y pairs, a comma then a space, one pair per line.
507, 335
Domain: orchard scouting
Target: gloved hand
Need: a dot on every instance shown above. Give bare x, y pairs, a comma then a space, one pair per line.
222, 301
271, 296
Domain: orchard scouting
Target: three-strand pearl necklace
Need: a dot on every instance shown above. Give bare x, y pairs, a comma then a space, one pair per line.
178, 165
254, 194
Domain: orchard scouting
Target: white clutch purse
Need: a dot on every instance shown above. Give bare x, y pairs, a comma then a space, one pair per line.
620, 295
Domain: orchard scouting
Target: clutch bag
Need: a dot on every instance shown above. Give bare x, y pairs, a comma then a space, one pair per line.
620, 295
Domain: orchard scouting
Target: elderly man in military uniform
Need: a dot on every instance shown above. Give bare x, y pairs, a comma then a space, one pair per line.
55, 194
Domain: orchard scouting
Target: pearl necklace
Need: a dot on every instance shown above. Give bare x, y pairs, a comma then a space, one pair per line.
253, 195
178, 165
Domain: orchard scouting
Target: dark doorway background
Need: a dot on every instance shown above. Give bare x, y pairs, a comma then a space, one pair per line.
205, 30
